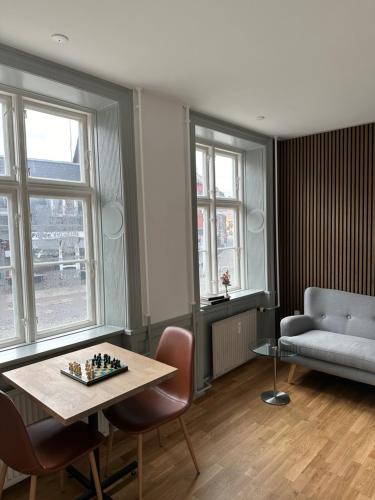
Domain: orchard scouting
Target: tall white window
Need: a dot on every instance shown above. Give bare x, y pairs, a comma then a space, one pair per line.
47, 238
220, 217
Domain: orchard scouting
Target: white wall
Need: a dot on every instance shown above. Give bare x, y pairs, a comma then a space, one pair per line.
166, 196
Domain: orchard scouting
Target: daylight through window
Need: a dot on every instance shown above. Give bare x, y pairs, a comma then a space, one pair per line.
47, 244
220, 217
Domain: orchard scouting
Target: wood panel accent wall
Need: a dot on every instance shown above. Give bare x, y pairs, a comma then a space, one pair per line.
327, 213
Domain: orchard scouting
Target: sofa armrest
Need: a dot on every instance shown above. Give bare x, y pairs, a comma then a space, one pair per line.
295, 325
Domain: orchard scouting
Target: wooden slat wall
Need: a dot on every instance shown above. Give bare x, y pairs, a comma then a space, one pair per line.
327, 213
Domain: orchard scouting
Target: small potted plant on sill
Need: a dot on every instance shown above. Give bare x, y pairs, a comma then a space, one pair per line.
225, 280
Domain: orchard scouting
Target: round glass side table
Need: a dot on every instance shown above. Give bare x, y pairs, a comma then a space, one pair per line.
271, 348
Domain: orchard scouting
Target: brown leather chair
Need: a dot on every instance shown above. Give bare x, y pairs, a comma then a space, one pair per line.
158, 405
44, 447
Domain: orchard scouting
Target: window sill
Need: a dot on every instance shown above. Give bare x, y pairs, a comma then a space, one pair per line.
22, 355
234, 297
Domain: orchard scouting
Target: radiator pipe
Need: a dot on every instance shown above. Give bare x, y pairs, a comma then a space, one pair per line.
276, 223
142, 178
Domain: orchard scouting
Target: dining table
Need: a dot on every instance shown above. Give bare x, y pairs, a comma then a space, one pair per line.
69, 401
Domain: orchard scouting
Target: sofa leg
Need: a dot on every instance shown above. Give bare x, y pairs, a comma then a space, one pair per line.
292, 372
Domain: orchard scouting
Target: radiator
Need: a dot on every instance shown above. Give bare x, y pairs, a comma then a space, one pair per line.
31, 413
230, 341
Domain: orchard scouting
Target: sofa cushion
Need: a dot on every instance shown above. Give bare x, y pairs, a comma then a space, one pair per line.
347, 350
341, 312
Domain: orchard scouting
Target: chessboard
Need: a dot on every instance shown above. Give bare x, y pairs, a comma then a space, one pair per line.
94, 370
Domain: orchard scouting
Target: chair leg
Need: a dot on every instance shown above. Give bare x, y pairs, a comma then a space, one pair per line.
109, 448
62, 480
159, 437
95, 475
188, 442
292, 372
3, 475
34, 480
140, 466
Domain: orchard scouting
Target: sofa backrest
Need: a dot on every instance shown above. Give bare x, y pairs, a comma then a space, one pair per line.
341, 312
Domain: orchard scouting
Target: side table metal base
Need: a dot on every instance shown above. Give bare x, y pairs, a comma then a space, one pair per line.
275, 398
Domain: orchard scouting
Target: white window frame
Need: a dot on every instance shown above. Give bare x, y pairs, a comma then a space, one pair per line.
14, 268
211, 202
83, 142
6, 100
19, 188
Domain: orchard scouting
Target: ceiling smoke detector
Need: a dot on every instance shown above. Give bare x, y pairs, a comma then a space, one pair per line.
59, 38
260, 117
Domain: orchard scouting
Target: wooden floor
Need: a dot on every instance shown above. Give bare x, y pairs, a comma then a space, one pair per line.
320, 446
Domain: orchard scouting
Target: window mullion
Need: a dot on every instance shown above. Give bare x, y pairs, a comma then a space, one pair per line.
25, 226
91, 270
209, 246
241, 223
238, 248
13, 224
213, 224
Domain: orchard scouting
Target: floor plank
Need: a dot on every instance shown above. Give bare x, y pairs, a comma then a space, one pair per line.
320, 446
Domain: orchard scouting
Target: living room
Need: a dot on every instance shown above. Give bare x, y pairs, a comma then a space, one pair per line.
187, 271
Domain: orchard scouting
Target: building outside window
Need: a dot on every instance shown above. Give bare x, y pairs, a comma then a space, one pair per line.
219, 185
47, 238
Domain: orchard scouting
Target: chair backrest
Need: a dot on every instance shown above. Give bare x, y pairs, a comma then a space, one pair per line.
176, 348
16, 449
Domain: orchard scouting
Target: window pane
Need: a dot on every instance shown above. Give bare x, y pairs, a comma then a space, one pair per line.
7, 289
3, 159
204, 283
52, 146
204, 275
200, 163
226, 227
4, 233
7, 323
225, 176
57, 229
227, 261
60, 295
202, 225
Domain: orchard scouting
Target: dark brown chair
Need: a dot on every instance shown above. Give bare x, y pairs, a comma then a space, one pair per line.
158, 405
44, 447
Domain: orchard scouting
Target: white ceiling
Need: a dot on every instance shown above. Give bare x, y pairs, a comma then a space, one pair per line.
307, 65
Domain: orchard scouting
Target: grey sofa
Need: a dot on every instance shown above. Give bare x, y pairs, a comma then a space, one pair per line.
335, 335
